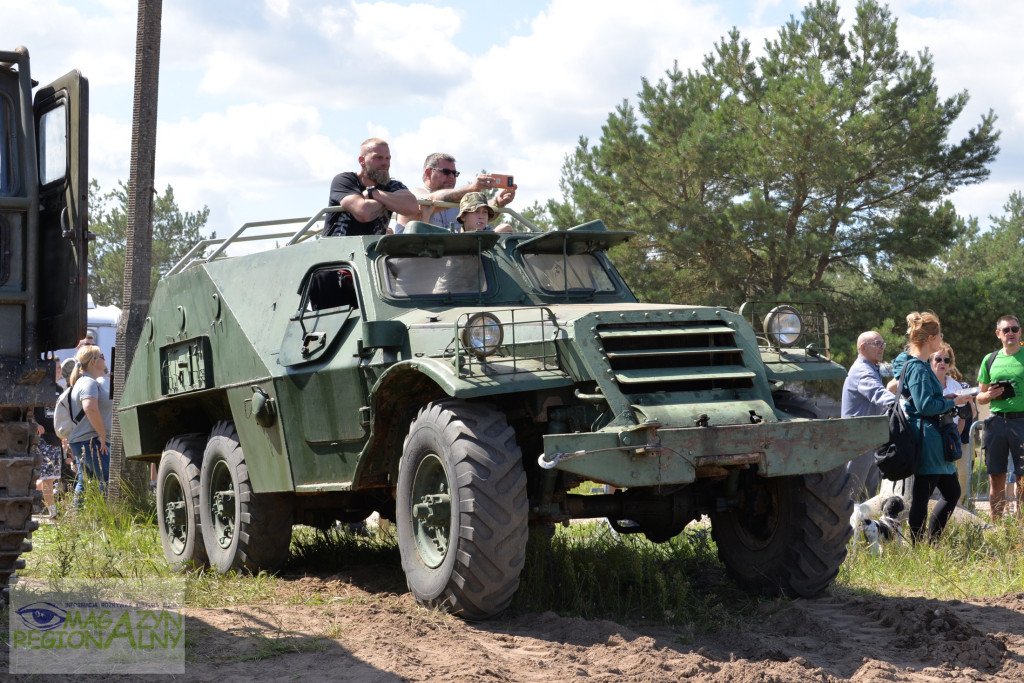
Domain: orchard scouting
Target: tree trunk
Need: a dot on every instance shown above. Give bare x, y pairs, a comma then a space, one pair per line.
132, 479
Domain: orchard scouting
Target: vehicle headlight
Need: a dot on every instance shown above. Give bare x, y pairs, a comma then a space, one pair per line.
482, 334
783, 325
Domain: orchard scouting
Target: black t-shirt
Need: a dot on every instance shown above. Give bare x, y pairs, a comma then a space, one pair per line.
344, 223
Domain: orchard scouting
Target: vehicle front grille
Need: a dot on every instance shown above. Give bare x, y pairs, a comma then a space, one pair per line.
689, 356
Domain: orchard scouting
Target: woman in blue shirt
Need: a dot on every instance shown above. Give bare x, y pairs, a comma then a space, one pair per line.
925, 394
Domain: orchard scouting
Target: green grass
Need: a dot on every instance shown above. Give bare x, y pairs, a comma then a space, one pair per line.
582, 570
587, 571
967, 562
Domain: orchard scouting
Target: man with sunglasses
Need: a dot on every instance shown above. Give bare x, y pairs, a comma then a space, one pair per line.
1004, 430
864, 394
439, 176
369, 197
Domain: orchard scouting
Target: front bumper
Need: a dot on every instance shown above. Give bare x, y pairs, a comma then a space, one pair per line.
653, 455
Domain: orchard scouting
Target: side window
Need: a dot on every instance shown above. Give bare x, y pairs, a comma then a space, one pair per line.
332, 287
53, 145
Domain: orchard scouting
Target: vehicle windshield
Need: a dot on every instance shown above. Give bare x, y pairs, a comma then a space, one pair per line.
426, 276
558, 274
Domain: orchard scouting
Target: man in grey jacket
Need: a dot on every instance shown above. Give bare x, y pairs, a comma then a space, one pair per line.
865, 394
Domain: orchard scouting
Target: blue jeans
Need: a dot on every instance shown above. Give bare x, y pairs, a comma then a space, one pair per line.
90, 463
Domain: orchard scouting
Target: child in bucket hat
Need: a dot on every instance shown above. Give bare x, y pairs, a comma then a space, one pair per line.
475, 213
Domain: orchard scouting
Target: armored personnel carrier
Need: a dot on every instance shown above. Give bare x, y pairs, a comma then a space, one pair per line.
43, 233
462, 385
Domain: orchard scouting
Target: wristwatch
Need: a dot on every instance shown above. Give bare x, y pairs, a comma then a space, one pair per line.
369, 191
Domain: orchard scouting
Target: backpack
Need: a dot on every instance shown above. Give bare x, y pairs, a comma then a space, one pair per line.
63, 423
899, 457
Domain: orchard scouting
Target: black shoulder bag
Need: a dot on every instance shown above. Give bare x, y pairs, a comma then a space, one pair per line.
900, 457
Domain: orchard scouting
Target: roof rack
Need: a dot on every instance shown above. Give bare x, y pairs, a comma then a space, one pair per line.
195, 254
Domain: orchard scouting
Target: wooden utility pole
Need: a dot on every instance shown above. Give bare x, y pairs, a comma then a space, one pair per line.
133, 478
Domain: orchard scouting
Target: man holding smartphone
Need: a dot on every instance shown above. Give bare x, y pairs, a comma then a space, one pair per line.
439, 176
1001, 383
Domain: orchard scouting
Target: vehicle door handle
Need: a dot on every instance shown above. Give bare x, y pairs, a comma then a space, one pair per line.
314, 341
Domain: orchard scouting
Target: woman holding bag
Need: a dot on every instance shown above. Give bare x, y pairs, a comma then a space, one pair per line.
925, 400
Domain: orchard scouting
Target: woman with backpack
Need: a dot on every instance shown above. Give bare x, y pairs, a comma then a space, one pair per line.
90, 397
925, 405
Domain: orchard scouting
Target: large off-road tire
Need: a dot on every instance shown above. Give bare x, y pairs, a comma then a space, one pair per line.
242, 530
788, 535
816, 408
19, 464
177, 502
462, 509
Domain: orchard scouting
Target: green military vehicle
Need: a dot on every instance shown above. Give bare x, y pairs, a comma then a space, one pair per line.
462, 385
43, 237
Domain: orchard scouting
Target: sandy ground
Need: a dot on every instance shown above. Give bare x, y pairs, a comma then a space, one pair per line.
366, 627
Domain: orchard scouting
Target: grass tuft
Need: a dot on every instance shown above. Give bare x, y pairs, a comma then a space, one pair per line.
969, 561
586, 570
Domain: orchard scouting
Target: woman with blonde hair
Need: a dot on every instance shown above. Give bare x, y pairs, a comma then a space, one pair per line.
92, 409
926, 403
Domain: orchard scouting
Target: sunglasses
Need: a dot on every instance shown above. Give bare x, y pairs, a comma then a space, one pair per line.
879, 344
1010, 328
446, 171
940, 359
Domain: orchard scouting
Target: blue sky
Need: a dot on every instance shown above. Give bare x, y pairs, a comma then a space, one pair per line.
263, 101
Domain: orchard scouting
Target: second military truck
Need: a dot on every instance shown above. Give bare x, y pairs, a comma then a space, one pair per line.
462, 385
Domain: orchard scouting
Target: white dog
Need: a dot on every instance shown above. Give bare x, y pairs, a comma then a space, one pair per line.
883, 530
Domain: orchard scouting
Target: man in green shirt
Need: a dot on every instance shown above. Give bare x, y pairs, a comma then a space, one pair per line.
1004, 431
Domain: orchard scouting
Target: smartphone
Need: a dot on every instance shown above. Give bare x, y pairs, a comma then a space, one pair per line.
1008, 391
502, 181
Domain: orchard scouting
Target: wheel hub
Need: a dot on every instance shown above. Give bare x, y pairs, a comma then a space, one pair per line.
175, 523
431, 511
222, 504
758, 516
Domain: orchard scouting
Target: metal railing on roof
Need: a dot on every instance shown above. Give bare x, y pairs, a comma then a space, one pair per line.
195, 254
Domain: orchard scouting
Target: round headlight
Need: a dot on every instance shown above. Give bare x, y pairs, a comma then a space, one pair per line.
482, 334
783, 325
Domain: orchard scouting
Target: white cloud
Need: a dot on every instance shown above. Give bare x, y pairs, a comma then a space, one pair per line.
247, 152
262, 103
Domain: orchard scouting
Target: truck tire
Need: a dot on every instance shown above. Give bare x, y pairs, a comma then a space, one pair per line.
177, 502
788, 535
462, 509
19, 464
242, 530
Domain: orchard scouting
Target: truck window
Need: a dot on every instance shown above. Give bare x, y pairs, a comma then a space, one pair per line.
332, 287
425, 276
53, 145
557, 273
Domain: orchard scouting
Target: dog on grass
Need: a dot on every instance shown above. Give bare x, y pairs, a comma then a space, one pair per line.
876, 532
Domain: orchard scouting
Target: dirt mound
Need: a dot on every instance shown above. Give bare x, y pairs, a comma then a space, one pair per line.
936, 632
366, 627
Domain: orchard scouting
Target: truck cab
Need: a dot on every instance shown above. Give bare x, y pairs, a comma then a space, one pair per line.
43, 259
